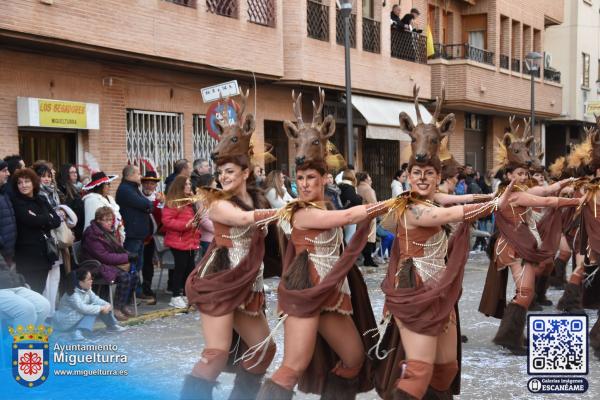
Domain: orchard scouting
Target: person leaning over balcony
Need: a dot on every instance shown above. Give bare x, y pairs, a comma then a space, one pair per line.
406, 23
395, 17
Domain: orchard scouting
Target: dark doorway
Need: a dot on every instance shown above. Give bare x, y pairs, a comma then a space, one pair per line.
381, 159
56, 147
475, 138
276, 137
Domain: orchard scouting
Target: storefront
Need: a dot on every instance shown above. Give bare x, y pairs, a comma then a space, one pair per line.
52, 129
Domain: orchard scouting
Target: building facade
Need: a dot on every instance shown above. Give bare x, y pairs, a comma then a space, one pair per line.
135, 69
480, 57
574, 48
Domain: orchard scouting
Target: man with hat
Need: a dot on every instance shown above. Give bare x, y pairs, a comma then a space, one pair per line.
149, 184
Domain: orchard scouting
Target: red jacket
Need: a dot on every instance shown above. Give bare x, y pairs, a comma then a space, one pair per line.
177, 236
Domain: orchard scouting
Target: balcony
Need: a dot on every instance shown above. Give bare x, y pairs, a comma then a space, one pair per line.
317, 20
409, 46
371, 35
185, 3
551, 75
226, 8
339, 29
515, 65
504, 61
463, 52
262, 12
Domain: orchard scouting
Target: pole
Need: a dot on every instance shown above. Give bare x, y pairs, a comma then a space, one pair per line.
532, 101
346, 9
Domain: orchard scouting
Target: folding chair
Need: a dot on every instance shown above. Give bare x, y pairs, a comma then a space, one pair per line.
164, 255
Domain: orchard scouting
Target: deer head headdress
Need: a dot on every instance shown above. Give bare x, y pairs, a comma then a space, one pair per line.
235, 136
426, 137
513, 150
310, 141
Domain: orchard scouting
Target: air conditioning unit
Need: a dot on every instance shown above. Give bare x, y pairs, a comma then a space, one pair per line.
547, 60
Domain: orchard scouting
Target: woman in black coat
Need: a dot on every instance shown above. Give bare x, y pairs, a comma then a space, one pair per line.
70, 194
35, 219
349, 198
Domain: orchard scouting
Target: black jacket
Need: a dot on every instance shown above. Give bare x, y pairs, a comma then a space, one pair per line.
8, 225
72, 198
349, 197
135, 210
35, 219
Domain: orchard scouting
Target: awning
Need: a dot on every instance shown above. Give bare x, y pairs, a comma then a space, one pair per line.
382, 116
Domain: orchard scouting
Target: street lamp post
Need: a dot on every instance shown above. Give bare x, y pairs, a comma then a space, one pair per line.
532, 60
346, 10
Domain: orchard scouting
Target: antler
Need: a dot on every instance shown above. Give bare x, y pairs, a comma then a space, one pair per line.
224, 111
597, 120
511, 124
297, 105
243, 103
317, 110
416, 97
527, 127
438, 104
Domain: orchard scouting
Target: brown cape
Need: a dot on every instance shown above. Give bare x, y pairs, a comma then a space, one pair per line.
222, 292
388, 370
590, 236
310, 301
493, 297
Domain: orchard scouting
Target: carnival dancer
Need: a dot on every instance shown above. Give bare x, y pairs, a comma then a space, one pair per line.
522, 242
591, 227
227, 284
419, 347
322, 293
577, 295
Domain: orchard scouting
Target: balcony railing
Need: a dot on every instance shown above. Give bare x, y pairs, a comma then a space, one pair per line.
409, 46
261, 12
371, 35
317, 20
504, 61
463, 51
186, 3
339, 29
552, 75
526, 70
226, 8
515, 65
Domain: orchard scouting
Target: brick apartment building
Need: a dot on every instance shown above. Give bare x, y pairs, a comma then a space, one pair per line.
134, 70
481, 58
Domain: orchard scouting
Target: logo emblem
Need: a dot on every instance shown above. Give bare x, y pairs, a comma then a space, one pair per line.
30, 355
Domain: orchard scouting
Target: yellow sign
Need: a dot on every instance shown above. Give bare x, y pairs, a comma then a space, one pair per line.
593, 107
62, 114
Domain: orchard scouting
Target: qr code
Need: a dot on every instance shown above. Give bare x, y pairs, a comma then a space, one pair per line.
558, 344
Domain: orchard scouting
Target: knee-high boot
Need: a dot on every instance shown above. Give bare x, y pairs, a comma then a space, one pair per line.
414, 381
196, 388
246, 385
510, 332
341, 383
595, 336
272, 391
541, 286
558, 280
570, 301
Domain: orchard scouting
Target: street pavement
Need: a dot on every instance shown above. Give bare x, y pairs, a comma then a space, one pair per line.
161, 351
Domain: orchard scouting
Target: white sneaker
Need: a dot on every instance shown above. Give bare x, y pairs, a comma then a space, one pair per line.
116, 328
178, 302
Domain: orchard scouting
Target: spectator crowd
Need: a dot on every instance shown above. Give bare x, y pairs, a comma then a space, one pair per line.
63, 236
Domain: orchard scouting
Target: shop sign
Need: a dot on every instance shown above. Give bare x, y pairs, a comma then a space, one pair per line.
593, 107
48, 113
226, 89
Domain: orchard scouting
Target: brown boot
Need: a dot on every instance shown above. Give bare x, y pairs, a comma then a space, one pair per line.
246, 385
119, 315
570, 301
196, 388
338, 388
128, 310
595, 337
558, 281
541, 286
433, 394
272, 391
399, 394
510, 332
